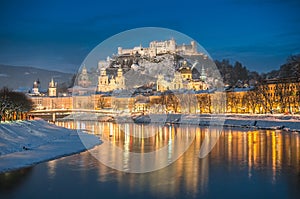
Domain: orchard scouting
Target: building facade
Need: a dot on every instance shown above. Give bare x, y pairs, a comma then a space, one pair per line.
183, 79
106, 84
273, 96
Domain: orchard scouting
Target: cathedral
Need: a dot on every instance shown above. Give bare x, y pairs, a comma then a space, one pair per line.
106, 84
83, 78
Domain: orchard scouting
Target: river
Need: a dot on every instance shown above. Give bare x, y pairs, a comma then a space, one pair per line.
243, 164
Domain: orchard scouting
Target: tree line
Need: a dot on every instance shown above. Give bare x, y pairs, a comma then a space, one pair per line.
282, 97
237, 75
14, 105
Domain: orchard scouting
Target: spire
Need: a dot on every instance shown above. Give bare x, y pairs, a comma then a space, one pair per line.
52, 84
52, 88
203, 74
84, 70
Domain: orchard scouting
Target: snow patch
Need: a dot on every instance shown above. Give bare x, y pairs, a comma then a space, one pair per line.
25, 143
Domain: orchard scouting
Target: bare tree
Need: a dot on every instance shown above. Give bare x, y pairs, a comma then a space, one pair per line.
101, 103
251, 99
13, 105
204, 103
265, 98
297, 97
173, 102
188, 102
218, 102
232, 102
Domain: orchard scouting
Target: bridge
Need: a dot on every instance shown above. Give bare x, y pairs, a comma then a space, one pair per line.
52, 114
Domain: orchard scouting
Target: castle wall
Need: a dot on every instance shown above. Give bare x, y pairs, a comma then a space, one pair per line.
162, 47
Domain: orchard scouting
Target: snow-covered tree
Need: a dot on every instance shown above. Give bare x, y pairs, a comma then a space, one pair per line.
13, 105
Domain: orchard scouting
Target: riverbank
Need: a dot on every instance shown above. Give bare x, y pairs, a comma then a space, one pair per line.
282, 122
253, 121
26, 143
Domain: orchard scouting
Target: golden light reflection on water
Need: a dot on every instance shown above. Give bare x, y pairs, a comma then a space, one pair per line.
51, 168
250, 151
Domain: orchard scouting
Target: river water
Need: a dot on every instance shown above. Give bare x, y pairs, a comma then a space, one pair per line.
243, 164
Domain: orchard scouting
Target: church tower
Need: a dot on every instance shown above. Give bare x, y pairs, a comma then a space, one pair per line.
52, 88
120, 80
103, 81
36, 87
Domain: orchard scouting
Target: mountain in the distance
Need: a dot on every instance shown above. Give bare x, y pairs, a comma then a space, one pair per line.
15, 77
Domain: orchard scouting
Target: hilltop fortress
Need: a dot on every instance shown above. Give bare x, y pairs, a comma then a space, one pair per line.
111, 72
161, 47
167, 82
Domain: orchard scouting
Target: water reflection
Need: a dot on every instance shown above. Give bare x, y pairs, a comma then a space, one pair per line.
242, 164
139, 148
51, 168
250, 152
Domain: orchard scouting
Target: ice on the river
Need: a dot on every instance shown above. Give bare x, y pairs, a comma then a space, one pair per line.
25, 143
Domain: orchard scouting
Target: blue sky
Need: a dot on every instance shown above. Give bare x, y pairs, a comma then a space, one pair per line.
59, 35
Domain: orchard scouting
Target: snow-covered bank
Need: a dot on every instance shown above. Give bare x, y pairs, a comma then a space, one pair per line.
290, 123
25, 143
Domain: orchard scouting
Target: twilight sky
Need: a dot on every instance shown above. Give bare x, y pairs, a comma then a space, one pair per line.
59, 35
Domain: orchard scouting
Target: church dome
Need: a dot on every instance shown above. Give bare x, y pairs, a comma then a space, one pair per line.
185, 70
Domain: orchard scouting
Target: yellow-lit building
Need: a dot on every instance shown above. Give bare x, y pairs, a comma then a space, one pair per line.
46, 103
141, 104
281, 95
273, 96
